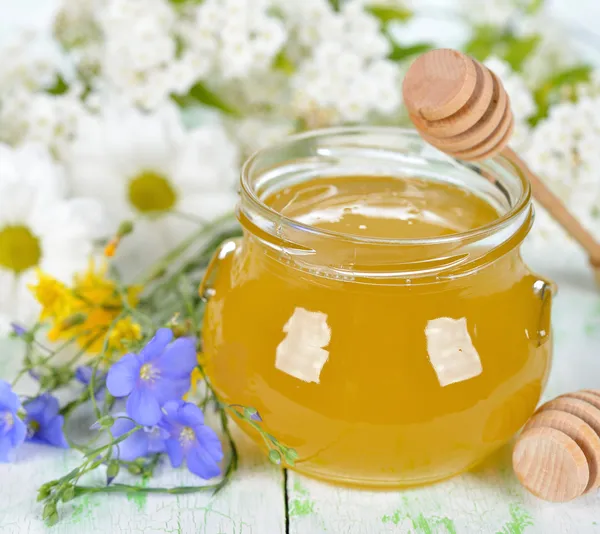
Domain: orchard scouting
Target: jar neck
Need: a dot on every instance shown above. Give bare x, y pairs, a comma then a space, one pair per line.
381, 151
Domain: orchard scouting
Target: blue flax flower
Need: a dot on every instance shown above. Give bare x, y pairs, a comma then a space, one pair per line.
159, 373
12, 429
143, 442
18, 330
44, 424
190, 439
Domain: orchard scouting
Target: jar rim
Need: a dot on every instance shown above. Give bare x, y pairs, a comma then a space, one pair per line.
515, 211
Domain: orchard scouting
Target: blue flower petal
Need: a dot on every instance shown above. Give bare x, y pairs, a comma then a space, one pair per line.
18, 433
143, 407
175, 452
53, 434
51, 409
202, 464
179, 358
173, 413
209, 441
121, 425
6, 450
192, 415
35, 407
8, 399
167, 390
156, 345
156, 444
133, 447
123, 375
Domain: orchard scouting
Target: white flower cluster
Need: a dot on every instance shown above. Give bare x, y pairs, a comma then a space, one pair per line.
139, 56
521, 99
28, 112
29, 62
554, 51
240, 36
564, 151
50, 120
346, 75
490, 13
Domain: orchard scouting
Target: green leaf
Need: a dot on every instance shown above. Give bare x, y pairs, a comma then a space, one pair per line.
335, 4
518, 50
199, 93
60, 87
483, 41
534, 6
282, 62
400, 53
550, 90
387, 14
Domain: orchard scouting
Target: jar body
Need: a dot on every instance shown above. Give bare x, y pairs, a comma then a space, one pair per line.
381, 384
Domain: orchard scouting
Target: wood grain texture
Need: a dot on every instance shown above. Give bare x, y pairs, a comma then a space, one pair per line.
550, 464
590, 396
442, 83
578, 430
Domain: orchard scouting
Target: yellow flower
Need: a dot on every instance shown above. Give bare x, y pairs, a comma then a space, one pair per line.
53, 296
124, 331
94, 300
195, 378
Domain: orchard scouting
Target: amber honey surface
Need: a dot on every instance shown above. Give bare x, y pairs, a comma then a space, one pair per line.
392, 383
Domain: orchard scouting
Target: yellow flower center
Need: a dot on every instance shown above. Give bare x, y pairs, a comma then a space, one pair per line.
19, 249
151, 193
147, 372
186, 435
32, 427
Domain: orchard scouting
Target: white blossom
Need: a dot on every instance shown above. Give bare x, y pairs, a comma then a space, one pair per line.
490, 12
139, 57
48, 119
146, 167
346, 76
564, 152
521, 99
255, 132
30, 61
39, 227
241, 37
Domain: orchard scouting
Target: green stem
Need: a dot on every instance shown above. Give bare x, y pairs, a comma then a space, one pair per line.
124, 488
168, 259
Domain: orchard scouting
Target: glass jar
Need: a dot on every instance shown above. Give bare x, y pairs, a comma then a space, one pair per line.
384, 362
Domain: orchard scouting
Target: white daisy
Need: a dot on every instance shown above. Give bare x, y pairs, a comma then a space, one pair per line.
146, 167
39, 227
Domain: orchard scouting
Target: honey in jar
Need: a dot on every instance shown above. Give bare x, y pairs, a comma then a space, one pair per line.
377, 312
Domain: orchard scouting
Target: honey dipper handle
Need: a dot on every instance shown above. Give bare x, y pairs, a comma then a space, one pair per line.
557, 210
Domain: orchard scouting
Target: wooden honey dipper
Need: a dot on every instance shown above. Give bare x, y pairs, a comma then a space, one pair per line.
557, 457
460, 107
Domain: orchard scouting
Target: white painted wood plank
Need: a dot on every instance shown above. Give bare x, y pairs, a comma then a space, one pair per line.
490, 499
